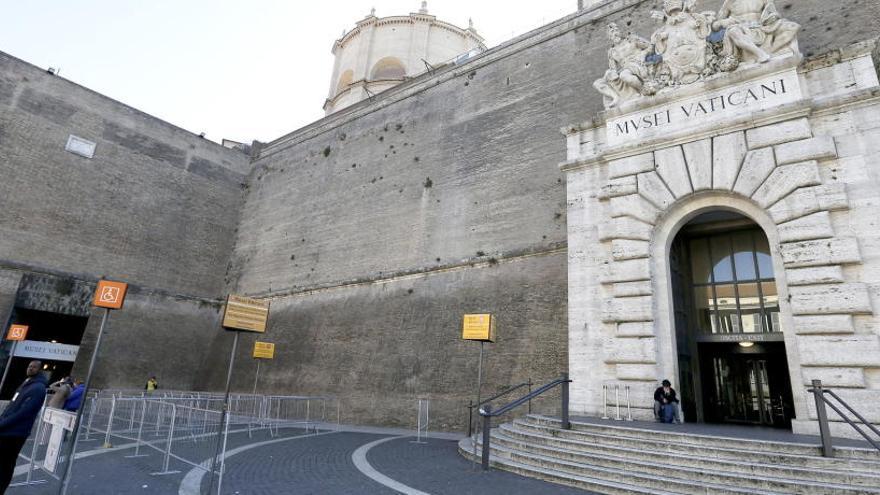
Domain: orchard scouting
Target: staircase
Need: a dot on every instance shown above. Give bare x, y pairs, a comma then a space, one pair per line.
647, 458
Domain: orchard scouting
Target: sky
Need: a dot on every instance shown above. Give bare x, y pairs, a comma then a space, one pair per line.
239, 70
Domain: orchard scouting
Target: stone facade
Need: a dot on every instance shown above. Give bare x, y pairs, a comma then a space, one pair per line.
787, 164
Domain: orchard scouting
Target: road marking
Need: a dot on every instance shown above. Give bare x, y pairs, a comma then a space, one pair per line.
192, 482
359, 457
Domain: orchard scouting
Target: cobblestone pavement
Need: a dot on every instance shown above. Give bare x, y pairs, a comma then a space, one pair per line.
307, 464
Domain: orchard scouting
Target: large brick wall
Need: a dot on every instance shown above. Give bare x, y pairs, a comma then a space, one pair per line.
454, 171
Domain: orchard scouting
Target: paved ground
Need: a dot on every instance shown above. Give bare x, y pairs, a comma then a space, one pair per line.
296, 462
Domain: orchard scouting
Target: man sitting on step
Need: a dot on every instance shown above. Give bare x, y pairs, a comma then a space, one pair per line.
667, 408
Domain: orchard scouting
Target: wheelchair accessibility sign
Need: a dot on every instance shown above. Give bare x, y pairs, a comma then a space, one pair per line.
110, 294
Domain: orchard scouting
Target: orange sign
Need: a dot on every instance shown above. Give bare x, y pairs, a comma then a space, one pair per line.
17, 332
110, 294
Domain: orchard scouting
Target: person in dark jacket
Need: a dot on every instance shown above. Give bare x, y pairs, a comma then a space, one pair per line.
18, 419
75, 398
667, 400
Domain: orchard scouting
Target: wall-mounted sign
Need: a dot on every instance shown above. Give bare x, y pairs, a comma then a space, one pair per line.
17, 332
245, 313
110, 294
80, 146
479, 327
264, 350
36, 349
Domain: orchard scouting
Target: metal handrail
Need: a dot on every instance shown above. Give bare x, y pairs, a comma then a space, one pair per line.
504, 392
822, 416
487, 413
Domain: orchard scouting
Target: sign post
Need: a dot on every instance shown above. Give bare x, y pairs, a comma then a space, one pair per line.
241, 314
481, 328
262, 350
110, 296
16, 333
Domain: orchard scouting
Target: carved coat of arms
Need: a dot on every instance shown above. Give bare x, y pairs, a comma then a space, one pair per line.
689, 46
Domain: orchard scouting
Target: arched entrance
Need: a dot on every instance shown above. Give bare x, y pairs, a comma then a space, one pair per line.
731, 354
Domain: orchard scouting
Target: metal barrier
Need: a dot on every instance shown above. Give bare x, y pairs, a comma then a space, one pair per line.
182, 427
617, 416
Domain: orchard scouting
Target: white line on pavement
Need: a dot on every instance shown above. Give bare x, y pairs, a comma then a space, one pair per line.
359, 457
192, 482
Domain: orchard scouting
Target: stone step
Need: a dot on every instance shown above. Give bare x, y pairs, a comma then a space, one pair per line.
743, 475
637, 482
466, 449
703, 440
729, 452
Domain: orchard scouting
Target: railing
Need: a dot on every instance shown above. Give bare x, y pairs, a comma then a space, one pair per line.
822, 415
488, 413
471, 405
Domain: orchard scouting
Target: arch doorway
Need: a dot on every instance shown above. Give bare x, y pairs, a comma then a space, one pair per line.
731, 353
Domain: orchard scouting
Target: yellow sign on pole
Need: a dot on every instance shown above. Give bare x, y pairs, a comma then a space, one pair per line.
480, 327
264, 350
245, 313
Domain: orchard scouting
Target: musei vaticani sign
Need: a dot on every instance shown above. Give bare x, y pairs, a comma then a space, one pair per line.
704, 109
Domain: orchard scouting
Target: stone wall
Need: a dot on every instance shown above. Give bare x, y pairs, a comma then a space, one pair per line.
453, 171
155, 206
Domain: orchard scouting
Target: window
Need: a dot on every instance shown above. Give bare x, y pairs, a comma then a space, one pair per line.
733, 283
388, 68
344, 81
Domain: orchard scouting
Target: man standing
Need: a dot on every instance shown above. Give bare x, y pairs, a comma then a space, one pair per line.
18, 419
152, 384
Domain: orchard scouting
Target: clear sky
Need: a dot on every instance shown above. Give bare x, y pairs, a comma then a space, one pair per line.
240, 70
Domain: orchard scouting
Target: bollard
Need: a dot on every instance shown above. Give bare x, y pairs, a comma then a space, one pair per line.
605, 402
487, 427
617, 402
629, 415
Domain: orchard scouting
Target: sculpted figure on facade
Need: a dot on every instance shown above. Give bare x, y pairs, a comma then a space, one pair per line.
753, 30
681, 41
627, 72
691, 45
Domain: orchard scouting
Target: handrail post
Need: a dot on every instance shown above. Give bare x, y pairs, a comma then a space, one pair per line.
530, 393
487, 426
822, 416
566, 424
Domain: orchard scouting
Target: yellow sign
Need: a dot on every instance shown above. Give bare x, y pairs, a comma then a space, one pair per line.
245, 313
17, 332
478, 327
110, 294
264, 350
